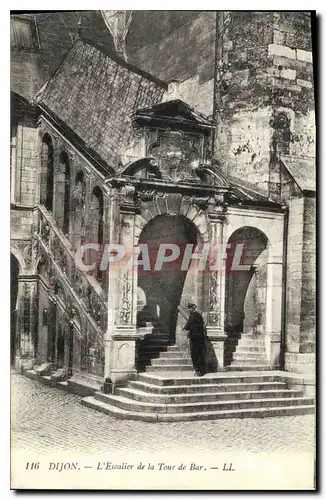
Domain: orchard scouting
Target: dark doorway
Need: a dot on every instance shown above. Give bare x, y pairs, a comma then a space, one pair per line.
60, 347
52, 320
70, 349
46, 187
163, 288
245, 299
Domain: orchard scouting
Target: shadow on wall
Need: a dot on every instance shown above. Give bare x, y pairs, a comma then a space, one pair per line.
210, 358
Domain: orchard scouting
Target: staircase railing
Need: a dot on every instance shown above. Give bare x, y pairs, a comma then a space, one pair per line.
84, 292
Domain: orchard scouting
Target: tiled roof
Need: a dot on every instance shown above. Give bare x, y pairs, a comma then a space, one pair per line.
96, 95
302, 170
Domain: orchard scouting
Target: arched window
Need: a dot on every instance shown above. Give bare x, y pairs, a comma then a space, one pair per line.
78, 209
96, 224
46, 182
62, 195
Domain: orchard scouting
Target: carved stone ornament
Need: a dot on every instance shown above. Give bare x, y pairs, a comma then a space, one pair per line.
176, 154
201, 201
125, 307
128, 195
216, 207
147, 195
45, 231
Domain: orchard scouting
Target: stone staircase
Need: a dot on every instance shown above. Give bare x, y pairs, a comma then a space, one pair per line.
170, 358
179, 396
250, 354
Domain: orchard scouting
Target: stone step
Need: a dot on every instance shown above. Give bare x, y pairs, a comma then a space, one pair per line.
174, 354
169, 368
251, 342
250, 348
171, 361
175, 348
249, 362
248, 366
143, 396
249, 355
219, 378
277, 411
129, 404
207, 388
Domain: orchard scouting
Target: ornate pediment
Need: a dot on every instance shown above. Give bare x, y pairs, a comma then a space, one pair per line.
174, 114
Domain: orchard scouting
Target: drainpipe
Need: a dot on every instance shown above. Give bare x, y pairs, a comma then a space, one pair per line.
284, 284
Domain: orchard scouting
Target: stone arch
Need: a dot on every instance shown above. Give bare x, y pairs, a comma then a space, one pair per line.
171, 285
47, 172
172, 204
246, 287
21, 261
62, 191
268, 224
78, 209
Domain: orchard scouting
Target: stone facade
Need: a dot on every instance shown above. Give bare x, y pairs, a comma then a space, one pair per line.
109, 153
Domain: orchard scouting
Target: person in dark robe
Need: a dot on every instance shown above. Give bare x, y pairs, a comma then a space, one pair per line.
196, 334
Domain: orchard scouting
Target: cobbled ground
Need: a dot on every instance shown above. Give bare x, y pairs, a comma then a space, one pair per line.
45, 419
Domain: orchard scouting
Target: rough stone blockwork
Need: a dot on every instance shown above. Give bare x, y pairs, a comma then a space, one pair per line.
264, 108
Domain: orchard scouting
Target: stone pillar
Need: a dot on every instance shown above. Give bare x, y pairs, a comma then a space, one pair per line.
215, 326
33, 312
122, 333
23, 318
274, 311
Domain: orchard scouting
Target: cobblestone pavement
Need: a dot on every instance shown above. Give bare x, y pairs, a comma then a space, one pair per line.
45, 419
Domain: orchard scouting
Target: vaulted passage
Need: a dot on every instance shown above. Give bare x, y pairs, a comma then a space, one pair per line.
161, 291
245, 288
46, 184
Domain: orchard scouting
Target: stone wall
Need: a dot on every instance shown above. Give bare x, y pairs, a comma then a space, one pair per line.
265, 100
301, 279
24, 173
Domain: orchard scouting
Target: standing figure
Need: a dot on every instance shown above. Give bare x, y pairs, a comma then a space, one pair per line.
196, 334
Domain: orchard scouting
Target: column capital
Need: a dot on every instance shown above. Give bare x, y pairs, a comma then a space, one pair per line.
128, 199
216, 209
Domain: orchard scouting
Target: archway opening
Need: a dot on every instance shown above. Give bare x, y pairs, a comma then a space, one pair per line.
46, 181
78, 210
162, 288
62, 195
246, 281
95, 233
14, 272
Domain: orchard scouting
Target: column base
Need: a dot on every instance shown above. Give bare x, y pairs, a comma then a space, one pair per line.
23, 363
123, 356
217, 337
273, 349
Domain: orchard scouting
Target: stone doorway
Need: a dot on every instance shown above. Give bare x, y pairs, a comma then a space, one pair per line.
160, 292
245, 300
14, 272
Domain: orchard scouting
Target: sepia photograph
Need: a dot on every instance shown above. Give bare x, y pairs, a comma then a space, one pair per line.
163, 250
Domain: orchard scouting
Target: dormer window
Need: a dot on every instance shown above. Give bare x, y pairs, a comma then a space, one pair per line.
23, 33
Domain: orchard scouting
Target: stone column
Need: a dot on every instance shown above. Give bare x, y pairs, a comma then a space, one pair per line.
33, 311
23, 319
122, 332
274, 311
215, 326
